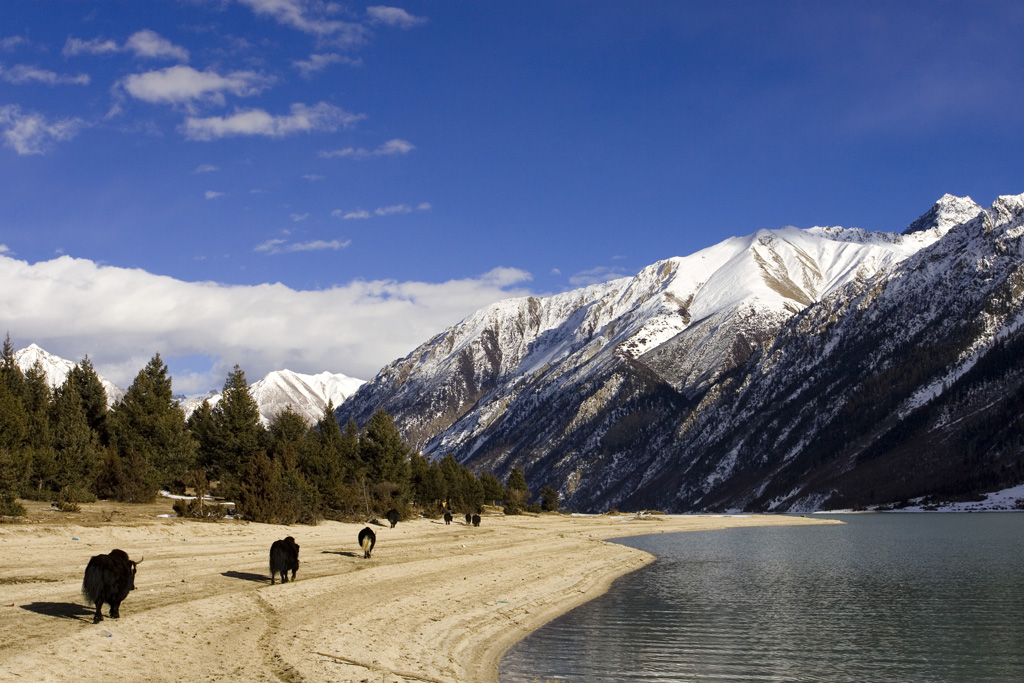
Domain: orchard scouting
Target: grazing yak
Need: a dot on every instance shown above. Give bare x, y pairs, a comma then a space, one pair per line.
367, 539
476, 520
108, 579
392, 517
284, 558
447, 517
469, 518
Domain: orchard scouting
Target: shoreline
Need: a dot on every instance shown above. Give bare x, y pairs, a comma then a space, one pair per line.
434, 603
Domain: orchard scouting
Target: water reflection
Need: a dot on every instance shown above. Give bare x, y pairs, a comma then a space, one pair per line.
882, 598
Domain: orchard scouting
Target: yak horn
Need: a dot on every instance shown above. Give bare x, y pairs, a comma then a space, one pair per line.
140, 561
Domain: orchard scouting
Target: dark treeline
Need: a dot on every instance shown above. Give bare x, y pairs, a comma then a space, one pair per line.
65, 445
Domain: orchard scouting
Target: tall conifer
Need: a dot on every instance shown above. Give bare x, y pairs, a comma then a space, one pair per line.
75, 445
147, 430
236, 433
93, 396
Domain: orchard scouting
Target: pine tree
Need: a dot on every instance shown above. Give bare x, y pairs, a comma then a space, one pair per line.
549, 499
383, 452
516, 492
39, 445
10, 374
147, 431
9, 481
271, 494
237, 433
13, 421
93, 396
322, 458
493, 490
75, 445
428, 483
351, 463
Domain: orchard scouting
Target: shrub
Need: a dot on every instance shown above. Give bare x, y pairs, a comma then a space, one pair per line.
70, 496
196, 509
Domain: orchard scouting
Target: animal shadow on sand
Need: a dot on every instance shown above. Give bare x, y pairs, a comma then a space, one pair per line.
247, 576
62, 610
343, 553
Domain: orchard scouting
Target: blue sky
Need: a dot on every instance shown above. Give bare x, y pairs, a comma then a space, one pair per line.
325, 185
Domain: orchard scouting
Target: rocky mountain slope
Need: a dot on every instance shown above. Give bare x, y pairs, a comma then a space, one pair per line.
788, 369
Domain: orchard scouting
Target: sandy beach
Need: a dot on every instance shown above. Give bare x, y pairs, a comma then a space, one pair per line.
434, 603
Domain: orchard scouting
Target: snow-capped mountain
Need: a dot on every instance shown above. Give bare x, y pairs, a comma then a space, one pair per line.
652, 391
308, 395
57, 369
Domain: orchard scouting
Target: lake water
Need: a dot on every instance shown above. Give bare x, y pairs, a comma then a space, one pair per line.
885, 597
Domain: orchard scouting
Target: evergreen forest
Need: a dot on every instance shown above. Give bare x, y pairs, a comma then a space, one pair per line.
65, 445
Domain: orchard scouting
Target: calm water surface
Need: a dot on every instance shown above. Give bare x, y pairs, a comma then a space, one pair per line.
885, 597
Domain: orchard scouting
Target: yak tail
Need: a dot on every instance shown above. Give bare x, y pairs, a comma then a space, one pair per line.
92, 583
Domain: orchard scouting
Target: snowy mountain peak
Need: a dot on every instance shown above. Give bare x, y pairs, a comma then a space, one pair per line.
784, 369
56, 370
949, 211
307, 395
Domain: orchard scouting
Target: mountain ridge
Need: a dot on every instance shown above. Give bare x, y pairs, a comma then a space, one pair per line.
594, 391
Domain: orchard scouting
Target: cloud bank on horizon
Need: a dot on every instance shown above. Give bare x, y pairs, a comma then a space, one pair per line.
324, 185
120, 317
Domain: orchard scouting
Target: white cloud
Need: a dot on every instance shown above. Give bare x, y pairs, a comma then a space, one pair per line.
213, 194
96, 46
302, 119
146, 43
31, 132
271, 246
183, 84
4, 249
10, 43
298, 217
351, 215
120, 317
382, 211
313, 177
206, 168
311, 16
22, 73
595, 276
318, 245
393, 16
393, 209
389, 148
319, 62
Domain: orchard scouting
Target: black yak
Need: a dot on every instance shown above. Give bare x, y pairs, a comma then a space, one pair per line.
469, 518
392, 517
108, 579
367, 539
447, 517
476, 520
284, 558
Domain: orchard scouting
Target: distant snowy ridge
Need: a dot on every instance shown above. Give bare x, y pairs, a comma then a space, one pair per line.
308, 395
56, 370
